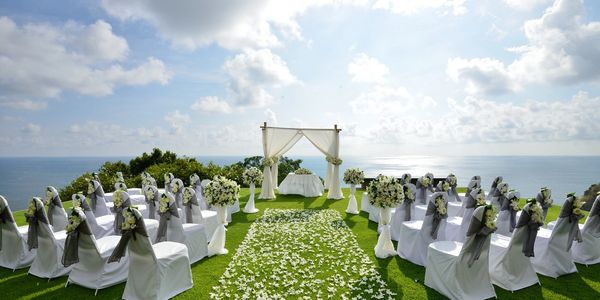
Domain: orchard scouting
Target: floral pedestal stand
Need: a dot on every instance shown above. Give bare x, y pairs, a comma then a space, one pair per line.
249, 208
217, 242
352, 205
384, 247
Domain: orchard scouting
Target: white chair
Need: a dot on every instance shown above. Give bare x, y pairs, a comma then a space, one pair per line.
158, 271
125, 203
404, 212
493, 188
98, 203
415, 236
101, 226
194, 215
196, 184
152, 197
192, 235
552, 254
510, 264
588, 252
456, 227
461, 271
56, 213
14, 253
364, 203
177, 191
89, 257
49, 244
507, 218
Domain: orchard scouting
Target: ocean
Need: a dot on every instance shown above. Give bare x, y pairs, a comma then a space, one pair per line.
23, 178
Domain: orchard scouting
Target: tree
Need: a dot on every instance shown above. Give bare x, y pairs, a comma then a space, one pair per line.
141, 163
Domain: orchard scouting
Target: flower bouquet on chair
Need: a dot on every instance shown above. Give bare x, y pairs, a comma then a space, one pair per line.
252, 177
353, 176
385, 192
220, 193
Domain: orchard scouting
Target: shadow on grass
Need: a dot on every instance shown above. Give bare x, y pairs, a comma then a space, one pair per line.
571, 286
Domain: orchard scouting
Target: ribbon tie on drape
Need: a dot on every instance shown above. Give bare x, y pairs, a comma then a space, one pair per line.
32, 231
71, 251
126, 236
481, 232
5, 217
188, 209
161, 234
532, 229
574, 232
437, 218
119, 218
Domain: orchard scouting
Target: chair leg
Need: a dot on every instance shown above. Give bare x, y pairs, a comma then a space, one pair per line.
67, 283
96, 293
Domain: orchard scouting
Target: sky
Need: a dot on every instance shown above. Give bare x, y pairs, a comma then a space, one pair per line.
400, 77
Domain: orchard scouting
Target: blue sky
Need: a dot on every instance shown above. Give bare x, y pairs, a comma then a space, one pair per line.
453, 77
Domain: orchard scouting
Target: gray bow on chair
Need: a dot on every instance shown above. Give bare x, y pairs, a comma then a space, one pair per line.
567, 212
152, 200
119, 212
188, 206
422, 190
161, 234
98, 192
5, 216
53, 204
33, 220
127, 235
71, 252
532, 229
479, 233
506, 205
545, 202
437, 217
409, 198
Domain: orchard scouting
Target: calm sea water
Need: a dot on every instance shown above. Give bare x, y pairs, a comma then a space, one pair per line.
23, 178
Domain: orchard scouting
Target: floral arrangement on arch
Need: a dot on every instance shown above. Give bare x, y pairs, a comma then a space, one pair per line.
269, 161
221, 191
385, 191
333, 160
302, 171
354, 176
252, 175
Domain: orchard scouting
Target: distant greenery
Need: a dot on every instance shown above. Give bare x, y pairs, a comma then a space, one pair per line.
157, 163
590, 195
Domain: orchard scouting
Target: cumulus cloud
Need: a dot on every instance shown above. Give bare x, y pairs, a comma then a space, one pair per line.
561, 49
525, 4
271, 116
385, 100
24, 104
364, 68
43, 61
211, 104
409, 7
31, 128
177, 120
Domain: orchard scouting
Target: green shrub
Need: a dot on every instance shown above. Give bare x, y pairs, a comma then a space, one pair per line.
590, 195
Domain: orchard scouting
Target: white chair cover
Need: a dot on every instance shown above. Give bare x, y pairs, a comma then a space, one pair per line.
217, 242
507, 217
405, 211
448, 272
234, 208
56, 213
197, 186
98, 203
510, 268
158, 271
552, 251
47, 262
207, 218
415, 236
101, 226
93, 270
364, 203
14, 253
456, 228
588, 252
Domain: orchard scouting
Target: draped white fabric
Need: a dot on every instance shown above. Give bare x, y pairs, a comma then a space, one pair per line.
277, 141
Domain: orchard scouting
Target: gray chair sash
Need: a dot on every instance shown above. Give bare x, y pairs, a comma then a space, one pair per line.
85, 206
54, 202
421, 190
71, 251
532, 230
5, 217
513, 213
126, 236
32, 231
481, 232
567, 212
594, 217
179, 197
152, 204
437, 217
188, 209
161, 234
119, 215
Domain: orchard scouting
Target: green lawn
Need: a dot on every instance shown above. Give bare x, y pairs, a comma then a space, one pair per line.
403, 277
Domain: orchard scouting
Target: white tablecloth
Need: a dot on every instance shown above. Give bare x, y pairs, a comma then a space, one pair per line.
305, 185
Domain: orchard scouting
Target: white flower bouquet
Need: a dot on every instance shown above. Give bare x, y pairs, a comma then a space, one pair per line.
118, 198
480, 198
31, 209
129, 221
536, 213
74, 219
302, 171
385, 191
445, 186
514, 204
490, 217
149, 194
77, 199
194, 178
177, 185
49, 196
452, 180
90, 188
252, 175
221, 191
577, 205
425, 181
163, 205
440, 205
188, 193
504, 188
354, 176
333, 160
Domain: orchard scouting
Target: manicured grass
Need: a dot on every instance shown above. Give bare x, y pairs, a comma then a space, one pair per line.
403, 277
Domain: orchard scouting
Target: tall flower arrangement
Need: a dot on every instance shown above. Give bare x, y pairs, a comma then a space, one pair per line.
354, 176
385, 192
252, 175
221, 191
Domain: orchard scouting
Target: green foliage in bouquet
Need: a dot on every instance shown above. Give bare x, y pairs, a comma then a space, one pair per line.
302, 171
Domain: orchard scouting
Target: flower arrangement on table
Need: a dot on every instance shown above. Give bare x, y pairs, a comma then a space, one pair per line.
74, 219
334, 160
252, 175
490, 217
221, 191
536, 212
385, 192
354, 176
302, 171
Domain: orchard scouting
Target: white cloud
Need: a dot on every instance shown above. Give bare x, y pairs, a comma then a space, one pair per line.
31, 129
387, 100
409, 7
25, 104
525, 4
211, 104
561, 49
271, 117
364, 68
43, 61
177, 120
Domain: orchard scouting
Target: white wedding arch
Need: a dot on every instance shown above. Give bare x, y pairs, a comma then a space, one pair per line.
278, 140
